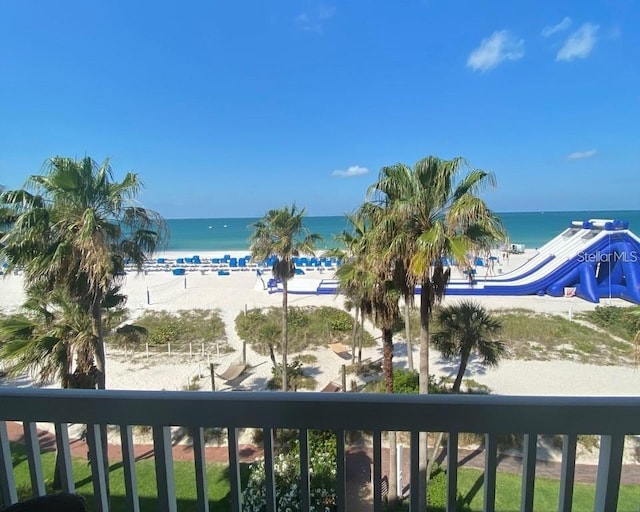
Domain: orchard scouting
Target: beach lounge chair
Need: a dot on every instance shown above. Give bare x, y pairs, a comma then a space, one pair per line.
332, 387
340, 350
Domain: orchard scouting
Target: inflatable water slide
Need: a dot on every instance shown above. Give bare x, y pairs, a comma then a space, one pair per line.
593, 259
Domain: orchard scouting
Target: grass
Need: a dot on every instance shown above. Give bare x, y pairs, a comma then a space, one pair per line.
217, 477
542, 336
470, 486
546, 493
535, 336
182, 328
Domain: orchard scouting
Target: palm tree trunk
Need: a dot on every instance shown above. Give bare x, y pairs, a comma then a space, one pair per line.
387, 371
285, 333
96, 328
387, 361
360, 337
457, 384
354, 336
407, 330
423, 388
272, 355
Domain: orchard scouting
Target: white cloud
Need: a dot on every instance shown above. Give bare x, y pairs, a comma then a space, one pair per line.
552, 29
313, 20
579, 155
492, 51
580, 43
354, 170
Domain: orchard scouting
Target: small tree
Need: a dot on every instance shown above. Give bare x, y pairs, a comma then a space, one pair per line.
465, 328
283, 235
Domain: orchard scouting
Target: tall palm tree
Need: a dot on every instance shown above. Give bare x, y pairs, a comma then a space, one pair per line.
355, 281
283, 235
434, 213
74, 228
466, 328
373, 287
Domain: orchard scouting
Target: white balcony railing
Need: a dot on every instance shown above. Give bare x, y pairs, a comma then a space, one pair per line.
610, 418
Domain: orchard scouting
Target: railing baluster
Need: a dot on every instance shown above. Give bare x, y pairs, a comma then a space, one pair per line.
8, 494
305, 492
609, 469
97, 462
341, 474
202, 494
234, 470
32, 444
269, 469
414, 475
528, 472
165, 478
567, 472
490, 465
377, 470
129, 466
452, 472
64, 457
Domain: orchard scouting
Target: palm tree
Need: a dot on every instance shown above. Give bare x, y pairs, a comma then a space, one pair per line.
355, 281
466, 328
74, 228
373, 287
53, 340
283, 235
433, 214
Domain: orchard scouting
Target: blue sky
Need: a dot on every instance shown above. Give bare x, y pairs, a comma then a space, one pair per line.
228, 109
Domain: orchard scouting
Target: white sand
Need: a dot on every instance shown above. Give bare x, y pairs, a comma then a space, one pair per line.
231, 294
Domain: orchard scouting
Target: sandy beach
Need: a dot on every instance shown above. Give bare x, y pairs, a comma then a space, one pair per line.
231, 294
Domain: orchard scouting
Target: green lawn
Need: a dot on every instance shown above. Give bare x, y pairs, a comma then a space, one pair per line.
546, 493
469, 486
218, 485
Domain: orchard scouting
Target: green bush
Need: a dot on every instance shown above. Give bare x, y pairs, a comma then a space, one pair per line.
296, 379
620, 321
185, 326
406, 381
322, 464
308, 327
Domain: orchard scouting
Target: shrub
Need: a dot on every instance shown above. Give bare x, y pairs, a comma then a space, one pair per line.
621, 321
406, 381
322, 472
296, 379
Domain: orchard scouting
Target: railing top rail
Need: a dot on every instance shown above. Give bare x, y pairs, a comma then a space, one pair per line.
357, 411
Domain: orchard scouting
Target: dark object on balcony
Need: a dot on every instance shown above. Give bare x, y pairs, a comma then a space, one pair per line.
52, 503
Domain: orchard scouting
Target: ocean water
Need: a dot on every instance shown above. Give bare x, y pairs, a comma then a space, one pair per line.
532, 229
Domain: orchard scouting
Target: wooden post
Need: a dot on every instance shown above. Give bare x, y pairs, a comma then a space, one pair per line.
203, 349
244, 352
213, 377
169, 347
190, 349
147, 349
148, 297
344, 378
185, 282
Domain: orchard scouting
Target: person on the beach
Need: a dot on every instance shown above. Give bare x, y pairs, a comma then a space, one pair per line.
259, 275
